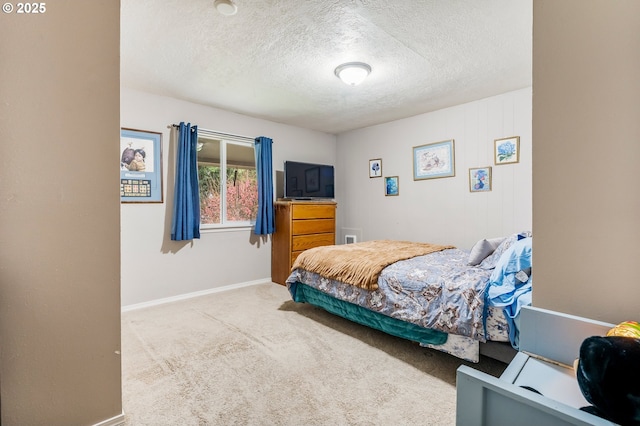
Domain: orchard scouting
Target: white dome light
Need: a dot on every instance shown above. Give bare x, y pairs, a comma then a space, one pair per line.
225, 7
353, 73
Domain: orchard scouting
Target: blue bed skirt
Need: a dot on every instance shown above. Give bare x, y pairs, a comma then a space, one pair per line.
305, 294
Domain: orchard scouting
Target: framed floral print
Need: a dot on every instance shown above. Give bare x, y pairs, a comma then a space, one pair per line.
480, 179
375, 168
507, 150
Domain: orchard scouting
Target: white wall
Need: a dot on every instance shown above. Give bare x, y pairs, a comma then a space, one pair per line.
153, 266
438, 210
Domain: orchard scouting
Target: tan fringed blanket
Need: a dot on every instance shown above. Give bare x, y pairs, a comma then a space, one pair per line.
360, 264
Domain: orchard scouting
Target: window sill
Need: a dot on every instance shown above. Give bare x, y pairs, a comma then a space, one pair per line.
212, 229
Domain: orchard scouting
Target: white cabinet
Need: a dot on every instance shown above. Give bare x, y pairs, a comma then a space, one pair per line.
549, 343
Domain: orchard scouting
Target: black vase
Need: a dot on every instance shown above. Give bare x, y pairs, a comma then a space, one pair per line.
609, 377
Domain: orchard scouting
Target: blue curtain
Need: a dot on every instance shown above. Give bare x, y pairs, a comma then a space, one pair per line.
185, 224
265, 221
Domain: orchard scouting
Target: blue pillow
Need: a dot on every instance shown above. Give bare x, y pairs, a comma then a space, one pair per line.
515, 259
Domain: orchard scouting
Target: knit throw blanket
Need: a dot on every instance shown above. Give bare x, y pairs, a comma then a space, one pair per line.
360, 264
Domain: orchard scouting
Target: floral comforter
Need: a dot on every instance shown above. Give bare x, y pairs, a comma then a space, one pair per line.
437, 290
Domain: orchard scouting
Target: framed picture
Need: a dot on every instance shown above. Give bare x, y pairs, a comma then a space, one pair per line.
312, 179
480, 179
507, 150
434, 160
375, 168
140, 166
391, 186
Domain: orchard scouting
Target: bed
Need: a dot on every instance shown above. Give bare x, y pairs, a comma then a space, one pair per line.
442, 297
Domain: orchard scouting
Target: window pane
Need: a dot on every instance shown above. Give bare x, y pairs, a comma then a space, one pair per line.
242, 184
242, 194
209, 181
227, 181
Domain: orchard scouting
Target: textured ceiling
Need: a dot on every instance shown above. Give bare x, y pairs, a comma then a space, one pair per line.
275, 59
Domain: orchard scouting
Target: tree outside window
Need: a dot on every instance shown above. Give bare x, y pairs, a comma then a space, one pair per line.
227, 180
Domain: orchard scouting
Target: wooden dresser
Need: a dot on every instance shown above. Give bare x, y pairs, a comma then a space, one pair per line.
300, 225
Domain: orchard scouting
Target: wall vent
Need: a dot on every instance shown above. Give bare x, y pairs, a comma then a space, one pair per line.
350, 239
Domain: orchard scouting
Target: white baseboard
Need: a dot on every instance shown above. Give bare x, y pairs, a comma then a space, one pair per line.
113, 421
194, 294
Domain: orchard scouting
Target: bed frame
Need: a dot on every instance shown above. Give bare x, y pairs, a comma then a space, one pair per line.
501, 351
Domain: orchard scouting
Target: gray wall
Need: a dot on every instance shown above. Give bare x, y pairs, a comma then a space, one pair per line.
59, 215
154, 268
586, 145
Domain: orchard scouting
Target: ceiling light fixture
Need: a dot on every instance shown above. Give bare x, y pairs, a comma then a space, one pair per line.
353, 73
225, 7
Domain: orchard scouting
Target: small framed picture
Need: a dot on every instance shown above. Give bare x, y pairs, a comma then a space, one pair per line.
434, 160
391, 186
375, 168
140, 166
507, 150
480, 179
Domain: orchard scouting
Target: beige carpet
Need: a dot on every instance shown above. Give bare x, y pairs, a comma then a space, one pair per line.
252, 356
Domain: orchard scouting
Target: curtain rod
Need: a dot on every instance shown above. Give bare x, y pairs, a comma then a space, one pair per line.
177, 126
227, 135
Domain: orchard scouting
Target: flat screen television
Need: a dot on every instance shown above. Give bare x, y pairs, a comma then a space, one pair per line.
306, 181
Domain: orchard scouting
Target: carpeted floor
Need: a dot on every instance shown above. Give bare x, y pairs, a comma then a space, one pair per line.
252, 356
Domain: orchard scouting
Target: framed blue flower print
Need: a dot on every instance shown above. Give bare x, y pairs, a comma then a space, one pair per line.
480, 179
507, 150
375, 168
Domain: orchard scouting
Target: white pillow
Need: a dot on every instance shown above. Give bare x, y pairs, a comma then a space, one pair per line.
482, 249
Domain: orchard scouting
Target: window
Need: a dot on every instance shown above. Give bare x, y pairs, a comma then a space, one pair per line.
232, 200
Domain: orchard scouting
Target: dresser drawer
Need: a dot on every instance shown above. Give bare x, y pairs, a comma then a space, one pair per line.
304, 242
313, 211
313, 226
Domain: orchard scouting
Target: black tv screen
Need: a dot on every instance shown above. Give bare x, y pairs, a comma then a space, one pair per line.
308, 180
